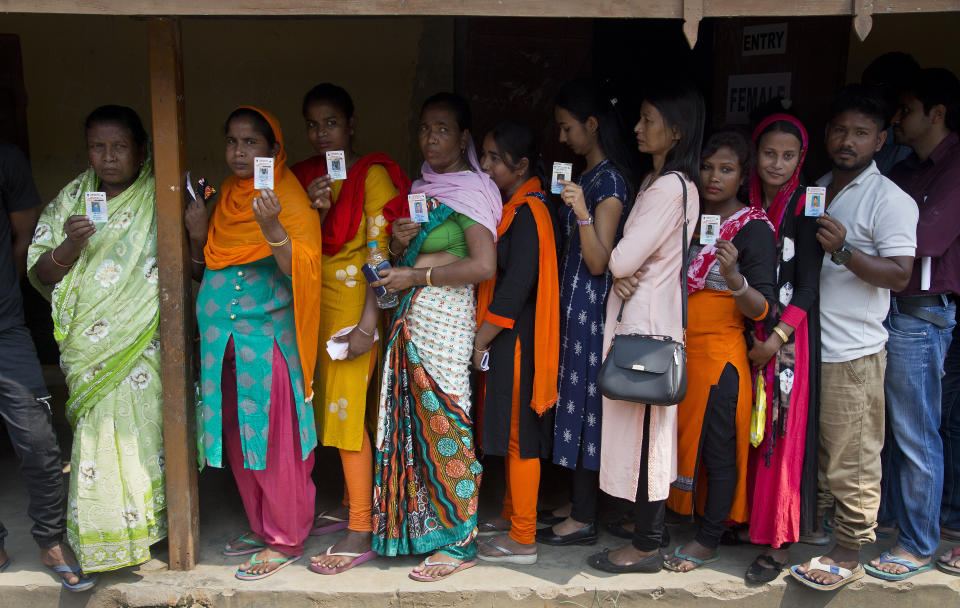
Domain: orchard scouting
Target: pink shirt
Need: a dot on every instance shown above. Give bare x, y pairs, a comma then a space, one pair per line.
651, 250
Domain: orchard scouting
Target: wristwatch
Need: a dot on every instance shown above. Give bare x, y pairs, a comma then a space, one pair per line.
841, 256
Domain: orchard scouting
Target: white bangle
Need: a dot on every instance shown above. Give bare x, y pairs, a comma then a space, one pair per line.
743, 288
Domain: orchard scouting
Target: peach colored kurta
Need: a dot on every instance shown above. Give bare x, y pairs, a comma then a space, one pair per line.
651, 250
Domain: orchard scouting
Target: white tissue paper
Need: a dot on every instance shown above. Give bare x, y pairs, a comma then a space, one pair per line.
338, 350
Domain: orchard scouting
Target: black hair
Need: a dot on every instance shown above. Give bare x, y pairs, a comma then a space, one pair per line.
453, 102
329, 93
260, 124
516, 141
585, 98
861, 98
682, 108
737, 140
118, 115
938, 86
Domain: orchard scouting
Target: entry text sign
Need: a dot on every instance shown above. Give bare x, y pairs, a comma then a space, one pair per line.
768, 39
747, 91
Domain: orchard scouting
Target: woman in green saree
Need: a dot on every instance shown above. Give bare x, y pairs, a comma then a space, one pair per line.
101, 278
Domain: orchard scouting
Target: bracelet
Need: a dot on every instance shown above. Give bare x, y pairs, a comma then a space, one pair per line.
285, 240
429, 271
196, 261
482, 350
781, 333
58, 263
391, 251
585, 222
360, 329
743, 288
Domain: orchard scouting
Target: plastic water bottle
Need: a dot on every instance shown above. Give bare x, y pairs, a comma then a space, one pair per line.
371, 270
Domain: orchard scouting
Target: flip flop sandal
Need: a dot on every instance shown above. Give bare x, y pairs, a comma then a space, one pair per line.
486, 529
689, 558
457, 567
283, 561
255, 546
358, 558
886, 558
846, 576
756, 573
85, 582
507, 556
648, 565
337, 525
946, 567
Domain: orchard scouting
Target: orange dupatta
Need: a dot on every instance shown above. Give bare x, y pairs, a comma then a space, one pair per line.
234, 238
546, 333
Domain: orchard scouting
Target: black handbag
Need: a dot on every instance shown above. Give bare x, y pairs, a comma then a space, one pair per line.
644, 368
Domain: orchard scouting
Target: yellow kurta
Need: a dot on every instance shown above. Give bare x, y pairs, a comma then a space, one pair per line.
341, 386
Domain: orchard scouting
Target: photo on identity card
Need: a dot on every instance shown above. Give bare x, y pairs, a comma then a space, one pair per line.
709, 229
263, 173
561, 171
336, 165
96, 203
815, 201
418, 208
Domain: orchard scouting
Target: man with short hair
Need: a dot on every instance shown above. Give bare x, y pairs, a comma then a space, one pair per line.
921, 322
23, 393
869, 236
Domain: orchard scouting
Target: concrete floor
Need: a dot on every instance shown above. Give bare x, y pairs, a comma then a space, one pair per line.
560, 578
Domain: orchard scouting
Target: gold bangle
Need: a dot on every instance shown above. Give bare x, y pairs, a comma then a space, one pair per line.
285, 240
58, 263
781, 333
429, 270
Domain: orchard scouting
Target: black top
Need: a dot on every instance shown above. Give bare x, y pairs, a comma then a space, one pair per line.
515, 299
17, 193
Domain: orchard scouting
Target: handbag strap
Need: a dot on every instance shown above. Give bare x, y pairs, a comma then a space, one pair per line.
683, 261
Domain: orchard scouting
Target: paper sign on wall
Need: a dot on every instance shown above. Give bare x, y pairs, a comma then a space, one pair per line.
747, 91
770, 39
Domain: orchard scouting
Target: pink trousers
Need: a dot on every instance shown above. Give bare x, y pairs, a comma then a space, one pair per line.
279, 500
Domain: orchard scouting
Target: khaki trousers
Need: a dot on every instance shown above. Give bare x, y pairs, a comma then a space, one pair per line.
851, 437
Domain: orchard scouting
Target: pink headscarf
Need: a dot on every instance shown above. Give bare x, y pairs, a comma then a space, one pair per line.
471, 193
779, 205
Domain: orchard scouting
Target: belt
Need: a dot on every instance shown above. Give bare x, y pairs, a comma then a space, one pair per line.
915, 307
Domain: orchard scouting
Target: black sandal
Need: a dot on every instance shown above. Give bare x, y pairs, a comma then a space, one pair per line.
650, 564
756, 573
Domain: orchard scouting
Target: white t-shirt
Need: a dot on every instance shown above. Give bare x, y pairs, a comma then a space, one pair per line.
881, 220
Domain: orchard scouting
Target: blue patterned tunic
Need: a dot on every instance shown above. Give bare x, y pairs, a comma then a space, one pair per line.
583, 298
254, 304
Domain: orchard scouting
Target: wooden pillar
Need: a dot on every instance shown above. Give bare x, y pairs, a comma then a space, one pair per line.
176, 296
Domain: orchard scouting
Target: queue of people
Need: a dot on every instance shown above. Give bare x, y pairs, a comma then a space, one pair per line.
817, 319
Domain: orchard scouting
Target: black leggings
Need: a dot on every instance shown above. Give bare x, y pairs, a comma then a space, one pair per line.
718, 456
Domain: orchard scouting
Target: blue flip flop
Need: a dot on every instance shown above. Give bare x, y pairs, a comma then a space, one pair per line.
886, 558
82, 585
690, 558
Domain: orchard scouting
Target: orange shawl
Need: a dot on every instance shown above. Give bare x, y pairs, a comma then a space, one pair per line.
546, 333
234, 238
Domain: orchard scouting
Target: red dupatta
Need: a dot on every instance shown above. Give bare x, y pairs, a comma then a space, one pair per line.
346, 213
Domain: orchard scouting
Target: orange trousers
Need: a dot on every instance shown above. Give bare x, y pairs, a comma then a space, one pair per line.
358, 486
523, 474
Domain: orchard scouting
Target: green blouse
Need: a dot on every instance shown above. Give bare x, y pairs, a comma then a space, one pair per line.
449, 236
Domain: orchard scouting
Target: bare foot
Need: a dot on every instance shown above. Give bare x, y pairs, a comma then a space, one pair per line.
625, 556
951, 558
568, 526
507, 543
341, 513
438, 570
263, 565
902, 553
838, 556
244, 542
60, 555
352, 542
693, 549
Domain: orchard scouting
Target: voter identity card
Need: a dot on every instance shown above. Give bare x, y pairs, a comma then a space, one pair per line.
263, 173
336, 164
709, 229
816, 200
560, 171
418, 208
96, 206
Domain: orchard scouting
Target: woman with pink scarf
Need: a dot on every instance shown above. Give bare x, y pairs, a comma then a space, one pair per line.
426, 474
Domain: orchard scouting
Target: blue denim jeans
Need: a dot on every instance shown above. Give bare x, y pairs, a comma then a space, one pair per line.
912, 486
950, 433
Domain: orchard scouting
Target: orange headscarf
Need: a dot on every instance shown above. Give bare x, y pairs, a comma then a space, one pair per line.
234, 237
546, 332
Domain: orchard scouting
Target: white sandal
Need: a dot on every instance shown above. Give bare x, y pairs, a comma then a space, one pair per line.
508, 557
846, 576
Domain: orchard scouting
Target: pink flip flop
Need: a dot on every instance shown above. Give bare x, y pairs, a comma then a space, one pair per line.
339, 524
358, 558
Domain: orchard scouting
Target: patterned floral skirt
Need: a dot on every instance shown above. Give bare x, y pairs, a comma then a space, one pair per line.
426, 476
